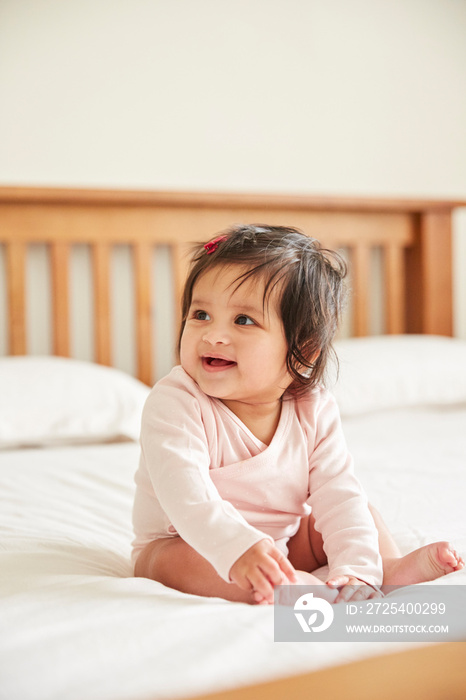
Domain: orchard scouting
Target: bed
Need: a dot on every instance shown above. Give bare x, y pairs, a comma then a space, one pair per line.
74, 623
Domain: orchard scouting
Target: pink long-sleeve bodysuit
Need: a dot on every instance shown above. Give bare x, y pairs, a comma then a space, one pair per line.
205, 476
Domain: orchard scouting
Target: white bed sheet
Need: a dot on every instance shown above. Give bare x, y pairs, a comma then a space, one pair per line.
74, 624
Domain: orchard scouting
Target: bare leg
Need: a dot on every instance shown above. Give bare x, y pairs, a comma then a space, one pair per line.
174, 563
306, 548
306, 553
387, 545
424, 564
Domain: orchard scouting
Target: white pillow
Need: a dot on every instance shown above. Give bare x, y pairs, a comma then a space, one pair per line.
52, 400
383, 372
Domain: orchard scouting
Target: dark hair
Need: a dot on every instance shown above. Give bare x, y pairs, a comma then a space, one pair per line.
312, 289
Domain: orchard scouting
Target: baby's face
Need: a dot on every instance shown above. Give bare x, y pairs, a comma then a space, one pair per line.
232, 345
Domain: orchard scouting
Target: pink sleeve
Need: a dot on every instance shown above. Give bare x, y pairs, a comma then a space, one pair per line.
339, 503
176, 455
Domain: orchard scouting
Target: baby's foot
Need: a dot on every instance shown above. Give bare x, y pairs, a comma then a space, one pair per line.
303, 578
424, 564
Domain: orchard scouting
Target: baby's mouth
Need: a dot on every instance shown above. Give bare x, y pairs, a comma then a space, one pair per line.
218, 362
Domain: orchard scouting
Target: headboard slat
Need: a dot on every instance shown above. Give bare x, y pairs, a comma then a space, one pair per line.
16, 286
360, 259
436, 262
60, 298
394, 269
180, 264
102, 315
143, 260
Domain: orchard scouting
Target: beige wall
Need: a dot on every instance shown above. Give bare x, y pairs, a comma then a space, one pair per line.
314, 96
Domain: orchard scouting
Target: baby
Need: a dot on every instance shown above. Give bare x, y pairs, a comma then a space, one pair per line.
245, 481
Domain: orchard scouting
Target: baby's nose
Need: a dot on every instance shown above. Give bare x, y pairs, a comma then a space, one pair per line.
215, 335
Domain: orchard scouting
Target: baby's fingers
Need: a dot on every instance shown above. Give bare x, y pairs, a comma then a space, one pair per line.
352, 589
261, 588
259, 599
270, 569
285, 567
357, 592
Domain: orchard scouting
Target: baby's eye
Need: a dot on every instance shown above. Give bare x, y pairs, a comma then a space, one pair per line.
201, 316
243, 320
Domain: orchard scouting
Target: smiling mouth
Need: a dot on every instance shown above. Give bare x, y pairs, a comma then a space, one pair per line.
217, 363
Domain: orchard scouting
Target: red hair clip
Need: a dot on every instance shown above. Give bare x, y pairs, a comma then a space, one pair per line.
212, 246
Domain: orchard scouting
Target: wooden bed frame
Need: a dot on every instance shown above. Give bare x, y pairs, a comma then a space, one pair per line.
433, 672
413, 238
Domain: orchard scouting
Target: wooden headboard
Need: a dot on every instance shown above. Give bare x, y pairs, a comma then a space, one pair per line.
411, 238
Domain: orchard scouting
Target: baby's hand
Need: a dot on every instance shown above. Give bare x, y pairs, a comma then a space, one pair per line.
261, 568
352, 588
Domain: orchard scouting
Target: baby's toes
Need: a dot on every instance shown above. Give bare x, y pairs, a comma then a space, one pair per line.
449, 557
